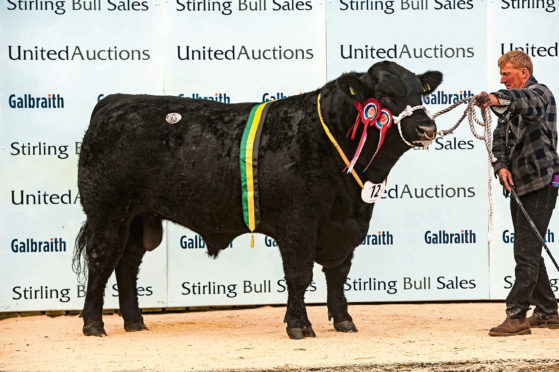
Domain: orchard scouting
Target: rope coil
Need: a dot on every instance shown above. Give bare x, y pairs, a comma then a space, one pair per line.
486, 137
472, 118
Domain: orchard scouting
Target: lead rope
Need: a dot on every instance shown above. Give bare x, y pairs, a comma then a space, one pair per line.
485, 137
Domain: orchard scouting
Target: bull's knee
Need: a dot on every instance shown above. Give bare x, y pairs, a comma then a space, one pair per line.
303, 278
152, 231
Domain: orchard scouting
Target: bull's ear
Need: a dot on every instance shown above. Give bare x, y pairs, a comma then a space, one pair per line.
430, 81
352, 86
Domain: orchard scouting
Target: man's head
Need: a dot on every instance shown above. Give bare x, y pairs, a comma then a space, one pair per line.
516, 68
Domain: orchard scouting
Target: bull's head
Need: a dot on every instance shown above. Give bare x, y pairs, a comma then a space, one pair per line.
395, 88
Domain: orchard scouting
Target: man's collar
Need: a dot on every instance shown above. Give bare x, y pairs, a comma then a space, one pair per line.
530, 81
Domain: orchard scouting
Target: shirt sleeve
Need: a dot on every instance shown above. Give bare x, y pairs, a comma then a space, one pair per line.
530, 103
501, 109
499, 146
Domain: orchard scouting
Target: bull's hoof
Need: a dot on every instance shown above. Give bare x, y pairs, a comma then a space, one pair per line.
300, 333
308, 332
295, 333
345, 326
135, 326
94, 329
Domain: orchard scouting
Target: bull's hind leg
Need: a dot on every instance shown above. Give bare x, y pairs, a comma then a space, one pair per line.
146, 234
337, 302
298, 260
126, 278
103, 252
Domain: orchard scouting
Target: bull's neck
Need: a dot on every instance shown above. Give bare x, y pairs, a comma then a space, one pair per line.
339, 115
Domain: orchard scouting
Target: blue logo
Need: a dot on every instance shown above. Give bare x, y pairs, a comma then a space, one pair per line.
440, 97
508, 236
29, 101
444, 237
31, 245
380, 238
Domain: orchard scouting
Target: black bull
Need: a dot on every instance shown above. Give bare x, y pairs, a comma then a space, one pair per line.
136, 169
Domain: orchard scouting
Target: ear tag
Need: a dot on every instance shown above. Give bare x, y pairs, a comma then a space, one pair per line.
351, 90
426, 87
173, 118
372, 192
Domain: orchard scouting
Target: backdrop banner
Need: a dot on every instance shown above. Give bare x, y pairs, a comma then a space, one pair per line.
430, 237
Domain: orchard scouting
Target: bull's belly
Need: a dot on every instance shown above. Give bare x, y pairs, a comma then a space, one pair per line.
337, 242
196, 198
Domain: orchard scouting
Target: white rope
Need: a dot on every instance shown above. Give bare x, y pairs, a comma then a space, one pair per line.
486, 137
472, 118
408, 111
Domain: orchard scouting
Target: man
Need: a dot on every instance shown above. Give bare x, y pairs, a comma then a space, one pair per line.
525, 145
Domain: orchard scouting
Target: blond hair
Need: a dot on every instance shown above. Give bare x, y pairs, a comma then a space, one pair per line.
518, 59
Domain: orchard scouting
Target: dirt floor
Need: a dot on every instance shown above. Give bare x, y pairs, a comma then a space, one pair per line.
393, 337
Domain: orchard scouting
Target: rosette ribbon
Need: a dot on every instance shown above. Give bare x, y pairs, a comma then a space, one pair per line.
370, 114
383, 123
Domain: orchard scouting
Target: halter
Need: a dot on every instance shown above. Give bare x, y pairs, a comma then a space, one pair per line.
408, 111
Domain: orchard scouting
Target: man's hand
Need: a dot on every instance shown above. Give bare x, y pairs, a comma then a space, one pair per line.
505, 178
485, 99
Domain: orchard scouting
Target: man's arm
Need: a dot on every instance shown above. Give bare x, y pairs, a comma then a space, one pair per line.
499, 151
530, 103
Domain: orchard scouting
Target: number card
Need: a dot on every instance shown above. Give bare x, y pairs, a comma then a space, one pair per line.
372, 191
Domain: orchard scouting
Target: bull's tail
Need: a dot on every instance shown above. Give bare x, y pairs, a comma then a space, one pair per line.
79, 261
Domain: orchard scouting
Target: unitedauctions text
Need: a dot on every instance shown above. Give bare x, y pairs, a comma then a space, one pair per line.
277, 52
68, 53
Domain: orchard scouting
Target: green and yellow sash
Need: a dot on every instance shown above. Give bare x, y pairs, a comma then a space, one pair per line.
250, 143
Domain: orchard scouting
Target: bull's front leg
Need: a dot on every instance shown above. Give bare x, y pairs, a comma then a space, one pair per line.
298, 324
298, 260
337, 303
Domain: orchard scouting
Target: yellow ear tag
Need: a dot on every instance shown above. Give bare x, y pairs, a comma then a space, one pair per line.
351, 90
426, 87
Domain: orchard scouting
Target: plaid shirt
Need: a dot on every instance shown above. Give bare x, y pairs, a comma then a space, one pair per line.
525, 139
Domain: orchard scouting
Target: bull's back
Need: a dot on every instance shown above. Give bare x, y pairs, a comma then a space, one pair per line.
131, 150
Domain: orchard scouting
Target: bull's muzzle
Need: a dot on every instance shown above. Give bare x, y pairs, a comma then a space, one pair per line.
427, 131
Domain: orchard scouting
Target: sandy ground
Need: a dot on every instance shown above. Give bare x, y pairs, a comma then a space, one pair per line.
391, 337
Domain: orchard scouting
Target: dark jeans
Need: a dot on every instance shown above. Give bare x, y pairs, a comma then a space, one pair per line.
531, 284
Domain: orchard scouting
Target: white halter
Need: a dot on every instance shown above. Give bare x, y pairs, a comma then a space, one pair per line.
408, 111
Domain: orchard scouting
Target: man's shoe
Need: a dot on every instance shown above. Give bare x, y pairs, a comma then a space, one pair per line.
542, 321
511, 327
